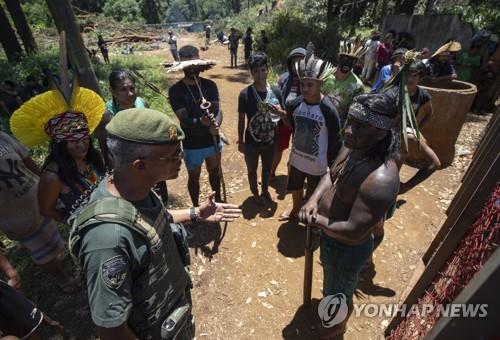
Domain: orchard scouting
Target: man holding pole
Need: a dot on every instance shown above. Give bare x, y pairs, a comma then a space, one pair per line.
202, 143
353, 197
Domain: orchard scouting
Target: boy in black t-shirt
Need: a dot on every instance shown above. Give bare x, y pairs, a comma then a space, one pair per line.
185, 98
261, 106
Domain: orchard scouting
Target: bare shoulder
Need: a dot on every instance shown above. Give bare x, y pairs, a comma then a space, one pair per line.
49, 174
382, 184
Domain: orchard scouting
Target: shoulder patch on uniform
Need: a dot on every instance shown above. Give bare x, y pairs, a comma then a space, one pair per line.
114, 271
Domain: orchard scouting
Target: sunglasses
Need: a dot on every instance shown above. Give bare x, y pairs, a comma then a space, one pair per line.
179, 155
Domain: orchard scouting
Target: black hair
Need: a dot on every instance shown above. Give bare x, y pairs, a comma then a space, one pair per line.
10, 83
389, 147
117, 76
418, 66
384, 103
257, 59
188, 51
68, 171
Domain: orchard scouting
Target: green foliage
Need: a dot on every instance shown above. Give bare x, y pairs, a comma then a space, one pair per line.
150, 11
288, 30
37, 14
179, 10
214, 9
149, 67
30, 65
123, 10
483, 14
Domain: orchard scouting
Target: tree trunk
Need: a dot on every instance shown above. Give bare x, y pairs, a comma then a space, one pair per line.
409, 6
385, 6
8, 38
374, 10
22, 26
150, 11
236, 6
429, 7
405, 6
65, 20
332, 37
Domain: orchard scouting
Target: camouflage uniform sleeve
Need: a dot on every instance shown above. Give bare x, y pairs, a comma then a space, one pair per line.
108, 276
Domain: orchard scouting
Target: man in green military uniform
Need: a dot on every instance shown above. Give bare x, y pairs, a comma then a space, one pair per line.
132, 252
343, 85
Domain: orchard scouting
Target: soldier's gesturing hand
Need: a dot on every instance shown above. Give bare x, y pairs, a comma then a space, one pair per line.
211, 211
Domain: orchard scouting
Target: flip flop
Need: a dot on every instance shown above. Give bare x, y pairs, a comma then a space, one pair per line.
286, 217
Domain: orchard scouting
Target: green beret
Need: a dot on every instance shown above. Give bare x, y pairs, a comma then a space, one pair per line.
145, 126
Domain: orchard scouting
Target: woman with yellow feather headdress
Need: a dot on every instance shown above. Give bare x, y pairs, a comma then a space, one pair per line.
66, 116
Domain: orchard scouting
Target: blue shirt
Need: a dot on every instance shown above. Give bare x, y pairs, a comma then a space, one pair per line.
114, 109
385, 74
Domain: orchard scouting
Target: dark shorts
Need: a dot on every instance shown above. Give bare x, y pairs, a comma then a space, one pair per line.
18, 315
342, 264
296, 179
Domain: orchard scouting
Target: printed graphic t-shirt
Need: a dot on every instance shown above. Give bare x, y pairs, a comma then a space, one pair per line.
260, 129
316, 140
18, 190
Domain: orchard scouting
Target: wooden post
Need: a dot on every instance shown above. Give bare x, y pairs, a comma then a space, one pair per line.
22, 27
470, 184
482, 289
8, 38
459, 225
308, 266
65, 20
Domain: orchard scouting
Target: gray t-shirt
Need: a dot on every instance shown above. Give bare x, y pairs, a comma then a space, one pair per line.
18, 191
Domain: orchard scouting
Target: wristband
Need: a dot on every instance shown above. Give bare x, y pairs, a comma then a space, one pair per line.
192, 215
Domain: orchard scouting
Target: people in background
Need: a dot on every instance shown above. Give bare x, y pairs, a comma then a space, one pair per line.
388, 70
172, 44
371, 57
9, 98
468, 64
233, 47
248, 43
103, 47
31, 88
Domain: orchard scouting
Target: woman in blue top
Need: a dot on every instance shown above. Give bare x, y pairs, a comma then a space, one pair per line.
124, 92
124, 96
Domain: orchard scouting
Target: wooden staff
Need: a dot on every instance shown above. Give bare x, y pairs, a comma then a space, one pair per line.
205, 106
308, 266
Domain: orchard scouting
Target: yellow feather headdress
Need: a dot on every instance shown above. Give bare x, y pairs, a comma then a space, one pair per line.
45, 116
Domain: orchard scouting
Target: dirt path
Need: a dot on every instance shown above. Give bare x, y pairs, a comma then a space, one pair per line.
249, 285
